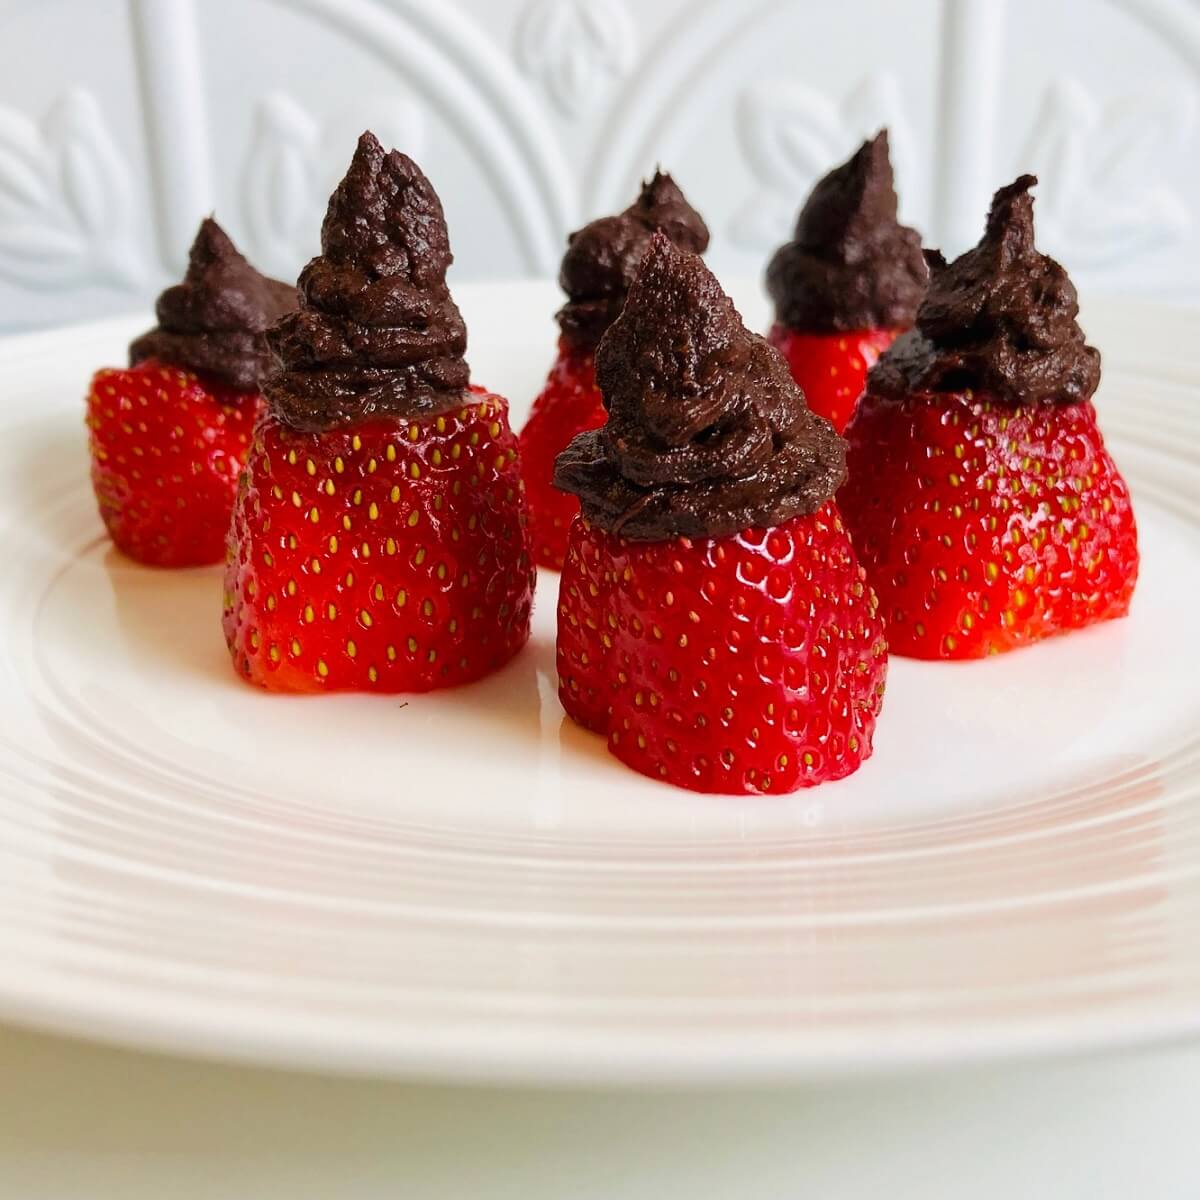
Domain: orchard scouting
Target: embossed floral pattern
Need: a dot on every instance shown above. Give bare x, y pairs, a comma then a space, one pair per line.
294, 164
576, 48
791, 135
65, 204
1103, 199
543, 113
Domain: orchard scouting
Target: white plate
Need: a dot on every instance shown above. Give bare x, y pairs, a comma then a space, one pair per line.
466, 886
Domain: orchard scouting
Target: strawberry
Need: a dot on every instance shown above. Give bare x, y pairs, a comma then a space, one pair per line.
166, 449
169, 435
849, 280
713, 620
984, 527
753, 662
831, 368
569, 404
981, 499
387, 557
379, 540
597, 269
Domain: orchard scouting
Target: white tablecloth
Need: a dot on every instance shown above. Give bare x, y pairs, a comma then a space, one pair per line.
81, 1122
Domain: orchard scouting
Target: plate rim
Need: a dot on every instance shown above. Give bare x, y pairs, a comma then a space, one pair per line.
564, 1059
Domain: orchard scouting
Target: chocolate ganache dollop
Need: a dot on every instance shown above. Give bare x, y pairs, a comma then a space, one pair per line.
215, 321
850, 264
706, 433
602, 258
999, 319
377, 332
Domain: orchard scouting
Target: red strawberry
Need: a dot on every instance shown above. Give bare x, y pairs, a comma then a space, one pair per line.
166, 450
597, 269
379, 541
849, 280
981, 499
713, 620
569, 404
983, 526
753, 662
169, 435
831, 368
388, 557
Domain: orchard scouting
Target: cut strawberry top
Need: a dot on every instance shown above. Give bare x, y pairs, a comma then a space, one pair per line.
568, 405
831, 368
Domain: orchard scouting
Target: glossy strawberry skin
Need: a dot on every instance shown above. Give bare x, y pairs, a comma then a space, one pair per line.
984, 527
569, 404
751, 663
831, 368
166, 449
390, 557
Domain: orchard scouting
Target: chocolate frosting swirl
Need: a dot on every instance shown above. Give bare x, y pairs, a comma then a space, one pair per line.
850, 264
706, 434
1000, 319
602, 258
377, 332
215, 321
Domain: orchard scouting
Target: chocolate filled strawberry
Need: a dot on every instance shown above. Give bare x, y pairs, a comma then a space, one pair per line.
168, 435
379, 540
599, 265
713, 620
847, 283
981, 498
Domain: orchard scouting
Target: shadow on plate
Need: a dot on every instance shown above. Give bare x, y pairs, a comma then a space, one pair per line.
512, 697
50, 490
173, 617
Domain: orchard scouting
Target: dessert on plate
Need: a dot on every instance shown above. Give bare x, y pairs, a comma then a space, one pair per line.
847, 283
379, 540
713, 620
600, 262
169, 433
981, 498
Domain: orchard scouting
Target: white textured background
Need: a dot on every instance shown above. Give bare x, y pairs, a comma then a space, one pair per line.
123, 121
